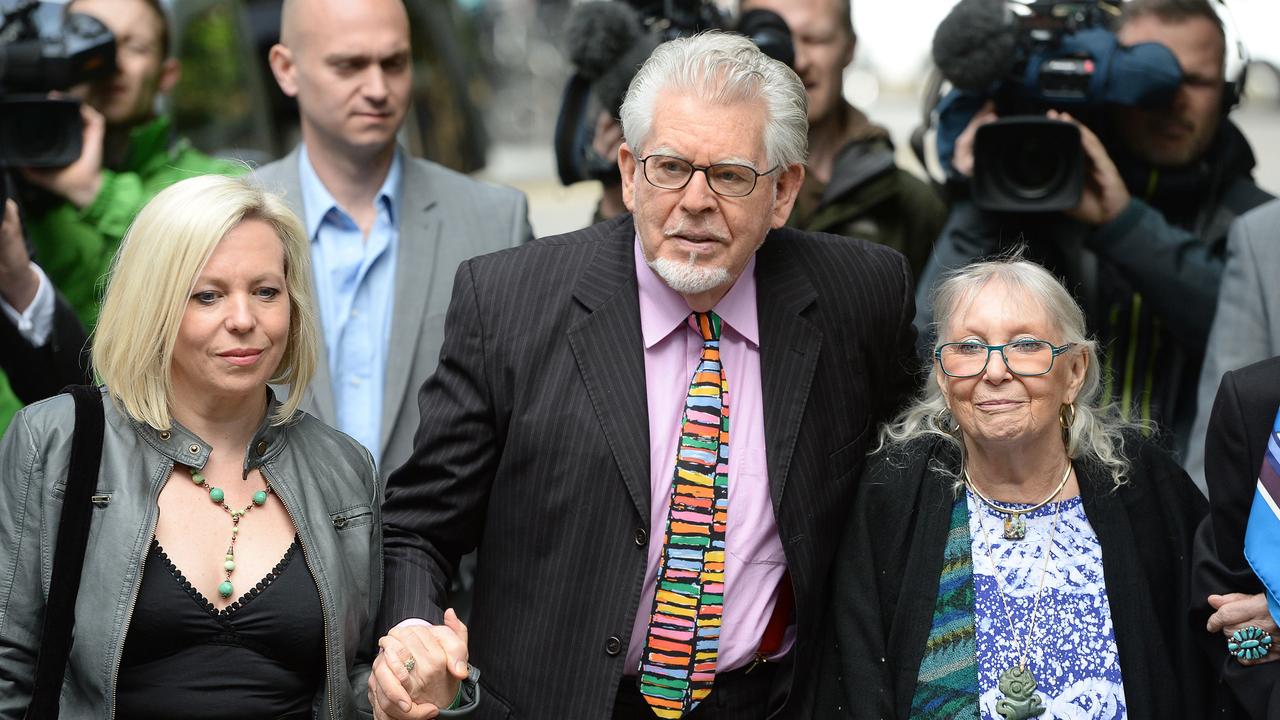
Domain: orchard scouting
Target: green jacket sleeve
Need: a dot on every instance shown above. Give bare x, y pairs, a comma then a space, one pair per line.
76, 246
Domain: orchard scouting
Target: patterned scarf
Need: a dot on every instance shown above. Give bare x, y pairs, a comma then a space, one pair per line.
947, 685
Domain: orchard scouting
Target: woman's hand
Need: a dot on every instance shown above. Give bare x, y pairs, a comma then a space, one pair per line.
1238, 610
419, 669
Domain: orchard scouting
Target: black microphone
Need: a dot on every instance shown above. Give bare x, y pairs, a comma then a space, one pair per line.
607, 43
976, 45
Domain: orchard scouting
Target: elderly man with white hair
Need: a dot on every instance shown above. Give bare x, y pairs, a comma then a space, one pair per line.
650, 428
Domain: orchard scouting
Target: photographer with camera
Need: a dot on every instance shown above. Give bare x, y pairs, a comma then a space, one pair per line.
129, 154
853, 187
77, 214
1143, 246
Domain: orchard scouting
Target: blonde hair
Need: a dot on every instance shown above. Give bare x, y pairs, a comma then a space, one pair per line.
1096, 433
154, 273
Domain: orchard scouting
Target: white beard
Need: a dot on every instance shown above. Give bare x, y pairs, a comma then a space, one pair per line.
689, 278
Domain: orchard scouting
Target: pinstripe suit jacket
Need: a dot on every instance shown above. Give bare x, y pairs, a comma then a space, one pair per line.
534, 448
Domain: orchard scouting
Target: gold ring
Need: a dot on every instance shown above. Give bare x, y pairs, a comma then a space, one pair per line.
410, 664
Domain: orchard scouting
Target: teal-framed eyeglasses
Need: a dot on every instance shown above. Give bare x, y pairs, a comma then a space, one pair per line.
1027, 357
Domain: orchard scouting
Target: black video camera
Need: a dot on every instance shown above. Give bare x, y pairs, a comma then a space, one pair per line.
43, 48
1031, 57
608, 41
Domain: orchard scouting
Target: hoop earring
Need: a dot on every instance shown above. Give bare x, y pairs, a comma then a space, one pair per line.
941, 419
1067, 416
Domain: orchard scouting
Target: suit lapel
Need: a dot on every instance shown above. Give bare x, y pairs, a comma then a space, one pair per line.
789, 345
609, 349
416, 271
282, 178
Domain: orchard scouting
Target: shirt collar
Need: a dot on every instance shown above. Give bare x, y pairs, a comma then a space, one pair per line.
317, 201
665, 309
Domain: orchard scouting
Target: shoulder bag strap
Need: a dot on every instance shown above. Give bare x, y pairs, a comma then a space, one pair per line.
68, 556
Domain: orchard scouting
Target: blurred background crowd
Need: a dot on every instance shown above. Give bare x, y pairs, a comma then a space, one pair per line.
490, 75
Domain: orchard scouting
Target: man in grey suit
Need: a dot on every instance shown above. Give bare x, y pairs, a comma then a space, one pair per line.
1246, 326
387, 230
618, 478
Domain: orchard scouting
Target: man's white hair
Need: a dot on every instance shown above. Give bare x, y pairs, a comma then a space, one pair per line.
722, 69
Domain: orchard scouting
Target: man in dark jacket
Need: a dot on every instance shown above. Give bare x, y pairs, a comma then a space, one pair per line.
1144, 249
853, 187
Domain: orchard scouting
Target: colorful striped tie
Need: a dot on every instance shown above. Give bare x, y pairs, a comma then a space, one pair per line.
1262, 533
679, 662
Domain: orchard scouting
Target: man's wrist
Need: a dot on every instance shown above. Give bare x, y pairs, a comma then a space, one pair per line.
83, 195
468, 696
20, 289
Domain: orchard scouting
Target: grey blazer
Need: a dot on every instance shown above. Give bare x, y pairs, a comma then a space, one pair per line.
1246, 328
446, 218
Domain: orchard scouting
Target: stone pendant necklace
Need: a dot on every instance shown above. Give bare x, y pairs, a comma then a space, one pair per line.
1015, 525
225, 588
1019, 699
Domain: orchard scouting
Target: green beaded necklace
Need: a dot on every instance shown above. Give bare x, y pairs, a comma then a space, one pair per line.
218, 497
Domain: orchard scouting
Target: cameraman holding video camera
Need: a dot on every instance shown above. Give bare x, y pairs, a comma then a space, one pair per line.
76, 214
1143, 246
130, 154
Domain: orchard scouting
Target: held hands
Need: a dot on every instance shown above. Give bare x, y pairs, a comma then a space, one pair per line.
80, 181
1238, 610
418, 669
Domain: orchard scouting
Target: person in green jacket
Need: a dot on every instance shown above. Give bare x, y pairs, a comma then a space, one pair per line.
852, 186
76, 215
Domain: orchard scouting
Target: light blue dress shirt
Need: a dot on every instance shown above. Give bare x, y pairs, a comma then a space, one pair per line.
355, 291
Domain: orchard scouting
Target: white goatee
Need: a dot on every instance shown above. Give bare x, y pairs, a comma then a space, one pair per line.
689, 278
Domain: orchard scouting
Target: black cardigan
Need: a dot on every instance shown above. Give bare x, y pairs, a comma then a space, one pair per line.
887, 567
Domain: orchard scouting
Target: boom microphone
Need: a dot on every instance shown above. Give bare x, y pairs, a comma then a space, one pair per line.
608, 42
976, 45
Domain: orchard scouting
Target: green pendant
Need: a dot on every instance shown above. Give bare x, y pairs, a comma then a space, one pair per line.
1020, 701
196, 477
260, 497
216, 495
1015, 527
224, 589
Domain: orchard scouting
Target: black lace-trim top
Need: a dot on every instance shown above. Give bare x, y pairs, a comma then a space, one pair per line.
262, 655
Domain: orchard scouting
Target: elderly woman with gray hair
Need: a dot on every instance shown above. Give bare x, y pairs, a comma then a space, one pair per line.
1015, 551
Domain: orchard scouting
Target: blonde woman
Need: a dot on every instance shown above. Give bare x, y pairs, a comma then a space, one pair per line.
233, 565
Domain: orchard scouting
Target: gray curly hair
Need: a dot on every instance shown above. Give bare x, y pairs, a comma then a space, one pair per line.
722, 68
1096, 433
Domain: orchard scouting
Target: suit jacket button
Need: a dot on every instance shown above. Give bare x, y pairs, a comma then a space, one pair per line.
613, 645
642, 537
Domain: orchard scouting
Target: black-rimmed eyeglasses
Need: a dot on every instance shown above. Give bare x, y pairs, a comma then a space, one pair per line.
727, 179
1023, 357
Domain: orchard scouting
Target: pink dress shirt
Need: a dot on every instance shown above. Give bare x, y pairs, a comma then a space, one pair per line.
754, 561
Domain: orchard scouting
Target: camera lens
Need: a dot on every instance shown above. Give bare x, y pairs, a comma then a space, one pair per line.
1027, 163
1032, 169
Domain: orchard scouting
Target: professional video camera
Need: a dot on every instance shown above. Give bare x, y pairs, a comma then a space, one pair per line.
1030, 56
608, 41
43, 48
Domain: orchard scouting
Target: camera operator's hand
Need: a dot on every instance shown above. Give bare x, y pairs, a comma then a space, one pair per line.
1105, 195
962, 157
80, 181
18, 281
